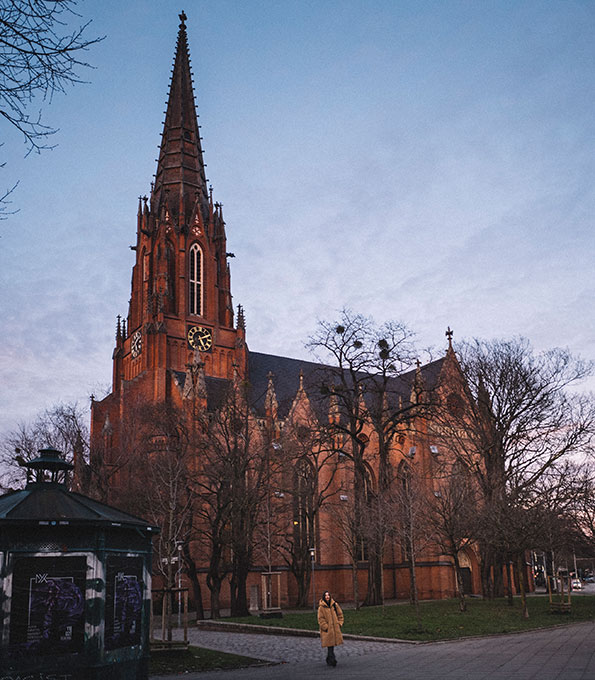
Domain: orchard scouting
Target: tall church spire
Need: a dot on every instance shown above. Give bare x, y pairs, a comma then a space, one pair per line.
180, 178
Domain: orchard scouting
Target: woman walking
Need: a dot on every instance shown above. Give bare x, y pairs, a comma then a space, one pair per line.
330, 620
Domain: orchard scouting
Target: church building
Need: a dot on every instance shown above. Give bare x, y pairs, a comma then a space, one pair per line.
182, 342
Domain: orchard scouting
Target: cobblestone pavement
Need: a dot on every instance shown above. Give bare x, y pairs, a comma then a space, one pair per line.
565, 653
279, 648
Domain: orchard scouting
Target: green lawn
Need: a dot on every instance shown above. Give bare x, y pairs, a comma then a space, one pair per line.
441, 620
195, 659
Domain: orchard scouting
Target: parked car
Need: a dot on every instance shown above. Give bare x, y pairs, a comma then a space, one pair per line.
576, 584
589, 579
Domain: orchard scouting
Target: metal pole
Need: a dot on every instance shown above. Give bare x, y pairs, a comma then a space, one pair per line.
179, 584
313, 555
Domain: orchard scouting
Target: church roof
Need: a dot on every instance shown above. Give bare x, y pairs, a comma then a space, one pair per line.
285, 373
286, 379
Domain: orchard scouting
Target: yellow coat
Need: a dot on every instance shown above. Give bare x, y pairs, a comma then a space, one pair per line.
330, 620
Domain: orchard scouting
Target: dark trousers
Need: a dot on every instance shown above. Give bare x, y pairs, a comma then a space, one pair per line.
330, 653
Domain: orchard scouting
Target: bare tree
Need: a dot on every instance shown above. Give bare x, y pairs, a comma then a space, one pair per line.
159, 488
63, 427
237, 458
307, 481
112, 453
39, 57
520, 418
452, 513
411, 523
214, 495
348, 533
584, 502
364, 383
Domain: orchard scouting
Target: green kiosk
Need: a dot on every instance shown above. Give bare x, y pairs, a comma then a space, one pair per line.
75, 582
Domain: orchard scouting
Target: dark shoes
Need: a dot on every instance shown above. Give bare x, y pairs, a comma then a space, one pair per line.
331, 661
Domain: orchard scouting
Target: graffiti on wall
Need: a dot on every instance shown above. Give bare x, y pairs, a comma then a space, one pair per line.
123, 601
48, 605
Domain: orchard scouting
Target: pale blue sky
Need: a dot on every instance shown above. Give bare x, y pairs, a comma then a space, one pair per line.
430, 162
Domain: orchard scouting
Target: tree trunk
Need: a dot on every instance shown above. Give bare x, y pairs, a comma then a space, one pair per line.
302, 573
510, 578
413, 583
239, 599
214, 584
215, 609
487, 564
521, 572
459, 584
374, 592
196, 589
354, 575
215, 576
498, 574
303, 584
414, 596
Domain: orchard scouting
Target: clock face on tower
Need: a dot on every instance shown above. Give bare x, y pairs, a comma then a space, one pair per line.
137, 344
200, 338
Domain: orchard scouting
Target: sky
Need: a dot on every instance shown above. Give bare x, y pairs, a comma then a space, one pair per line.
425, 162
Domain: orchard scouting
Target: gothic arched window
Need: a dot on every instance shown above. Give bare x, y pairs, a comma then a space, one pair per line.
195, 280
367, 501
303, 504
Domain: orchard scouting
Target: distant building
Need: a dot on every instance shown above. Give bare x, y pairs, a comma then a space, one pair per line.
181, 343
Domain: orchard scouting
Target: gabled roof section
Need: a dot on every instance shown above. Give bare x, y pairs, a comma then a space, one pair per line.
286, 379
180, 168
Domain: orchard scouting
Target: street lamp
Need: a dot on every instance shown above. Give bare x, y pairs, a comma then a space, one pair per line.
179, 546
312, 557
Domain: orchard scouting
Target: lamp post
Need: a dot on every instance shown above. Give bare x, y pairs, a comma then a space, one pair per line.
179, 546
312, 557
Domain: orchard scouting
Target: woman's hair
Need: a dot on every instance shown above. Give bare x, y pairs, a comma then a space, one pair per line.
325, 592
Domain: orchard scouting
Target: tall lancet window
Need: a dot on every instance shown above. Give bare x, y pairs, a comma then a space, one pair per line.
196, 280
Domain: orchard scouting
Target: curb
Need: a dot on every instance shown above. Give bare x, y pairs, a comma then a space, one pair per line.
293, 632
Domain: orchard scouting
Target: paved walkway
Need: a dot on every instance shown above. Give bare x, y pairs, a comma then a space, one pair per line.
565, 653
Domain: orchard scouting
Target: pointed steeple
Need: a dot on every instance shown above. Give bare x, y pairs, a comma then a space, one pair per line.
418, 384
241, 318
270, 401
180, 169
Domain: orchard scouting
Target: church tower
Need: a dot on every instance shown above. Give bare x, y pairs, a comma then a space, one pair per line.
180, 314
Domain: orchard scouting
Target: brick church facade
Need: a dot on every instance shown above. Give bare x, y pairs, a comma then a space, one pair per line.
182, 342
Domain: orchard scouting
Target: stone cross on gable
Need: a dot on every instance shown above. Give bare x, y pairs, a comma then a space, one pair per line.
449, 335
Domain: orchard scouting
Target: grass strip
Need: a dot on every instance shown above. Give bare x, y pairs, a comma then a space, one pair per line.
196, 659
441, 619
